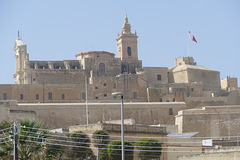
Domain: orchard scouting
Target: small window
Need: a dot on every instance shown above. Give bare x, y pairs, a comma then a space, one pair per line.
174, 100
160, 100
96, 97
129, 51
34, 79
134, 95
114, 96
96, 87
50, 95
104, 84
170, 111
37, 96
167, 100
101, 68
105, 95
4, 96
63, 96
192, 89
159, 77
83, 95
21, 96
114, 85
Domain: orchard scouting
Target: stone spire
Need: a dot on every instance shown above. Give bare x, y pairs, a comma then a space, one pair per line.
126, 26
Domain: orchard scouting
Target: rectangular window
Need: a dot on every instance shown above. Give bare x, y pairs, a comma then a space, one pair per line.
104, 84
114, 85
160, 100
37, 96
4, 96
96, 87
50, 95
63, 96
96, 97
192, 89
21, 96
105, 95
170, 111
83, 95
159, 77
134, 95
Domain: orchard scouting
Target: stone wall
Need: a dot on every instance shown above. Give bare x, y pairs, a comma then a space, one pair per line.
229, 84
195, 102
227, 155
66, 114
9, 114
234, 98
210, 121
152, 75
209, 78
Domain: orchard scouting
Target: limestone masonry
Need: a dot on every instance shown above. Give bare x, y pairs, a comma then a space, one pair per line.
66, 81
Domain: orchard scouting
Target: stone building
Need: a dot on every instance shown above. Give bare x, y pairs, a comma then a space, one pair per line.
210, 121
96, 74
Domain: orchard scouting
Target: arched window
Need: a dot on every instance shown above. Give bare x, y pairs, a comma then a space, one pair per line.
101, 68
129, 51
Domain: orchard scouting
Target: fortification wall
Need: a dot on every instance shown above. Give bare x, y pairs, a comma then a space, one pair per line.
210, 121
64, 115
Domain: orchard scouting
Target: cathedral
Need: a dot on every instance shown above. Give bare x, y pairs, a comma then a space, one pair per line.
94, 75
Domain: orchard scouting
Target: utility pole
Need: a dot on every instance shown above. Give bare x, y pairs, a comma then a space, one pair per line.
15, 151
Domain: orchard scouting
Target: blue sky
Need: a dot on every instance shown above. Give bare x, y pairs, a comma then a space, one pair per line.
59, 29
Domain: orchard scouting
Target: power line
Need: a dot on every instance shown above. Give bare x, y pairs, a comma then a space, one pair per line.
108, 140
137, 136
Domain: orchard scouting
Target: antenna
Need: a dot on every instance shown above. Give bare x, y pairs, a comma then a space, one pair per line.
18, 35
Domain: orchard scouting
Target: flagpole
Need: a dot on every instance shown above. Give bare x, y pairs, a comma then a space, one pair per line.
188, 45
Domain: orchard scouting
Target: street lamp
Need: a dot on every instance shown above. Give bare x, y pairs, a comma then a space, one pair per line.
122, 119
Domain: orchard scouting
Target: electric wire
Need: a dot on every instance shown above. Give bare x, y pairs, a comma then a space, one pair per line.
136, 136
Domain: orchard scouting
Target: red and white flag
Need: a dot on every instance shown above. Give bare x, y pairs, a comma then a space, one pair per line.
191, 36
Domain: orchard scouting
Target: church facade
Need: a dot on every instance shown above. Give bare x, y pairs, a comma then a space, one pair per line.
94, 75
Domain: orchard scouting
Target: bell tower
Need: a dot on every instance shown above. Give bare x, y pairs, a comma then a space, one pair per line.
21, 56
127, 43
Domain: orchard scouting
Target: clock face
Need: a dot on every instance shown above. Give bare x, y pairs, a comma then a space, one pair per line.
129, 51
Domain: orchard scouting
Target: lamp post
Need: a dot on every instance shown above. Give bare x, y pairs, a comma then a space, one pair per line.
122, 120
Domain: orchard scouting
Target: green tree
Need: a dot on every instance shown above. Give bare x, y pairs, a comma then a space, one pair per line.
100, 139
32, 142
5, 143
103, 155
148, 149
80, 148
114, 150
